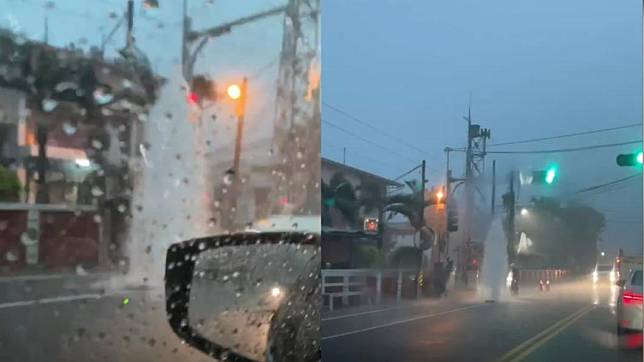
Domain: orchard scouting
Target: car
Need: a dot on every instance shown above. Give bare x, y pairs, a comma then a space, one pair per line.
604, 273
629, 303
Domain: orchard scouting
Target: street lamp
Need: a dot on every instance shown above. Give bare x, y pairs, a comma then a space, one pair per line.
439, 196
524, 212
234, 91
603, 254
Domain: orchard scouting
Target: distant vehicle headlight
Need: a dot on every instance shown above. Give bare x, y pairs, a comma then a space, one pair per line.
595, 276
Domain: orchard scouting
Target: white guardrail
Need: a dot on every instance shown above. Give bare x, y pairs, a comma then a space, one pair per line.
346, 283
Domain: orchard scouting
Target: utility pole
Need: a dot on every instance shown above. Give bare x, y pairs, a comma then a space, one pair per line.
474, 163
240, 127
420, 277
448, 182
493, 185
344, 155
510, 201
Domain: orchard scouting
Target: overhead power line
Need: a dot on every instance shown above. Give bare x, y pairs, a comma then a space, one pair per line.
366, 140
562, 150
596, 187
407, 173
567, 135
368, 125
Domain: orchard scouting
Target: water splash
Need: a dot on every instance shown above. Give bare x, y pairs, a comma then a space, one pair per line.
166, 211
494, 269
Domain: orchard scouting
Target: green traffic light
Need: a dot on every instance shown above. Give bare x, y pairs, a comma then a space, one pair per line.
551, 174
640, 157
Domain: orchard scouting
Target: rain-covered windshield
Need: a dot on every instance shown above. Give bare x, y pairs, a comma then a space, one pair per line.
129, 125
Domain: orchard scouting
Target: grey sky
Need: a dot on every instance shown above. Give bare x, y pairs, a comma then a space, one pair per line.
534, 69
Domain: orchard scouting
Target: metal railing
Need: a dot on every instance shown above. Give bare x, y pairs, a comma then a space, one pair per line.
346, 283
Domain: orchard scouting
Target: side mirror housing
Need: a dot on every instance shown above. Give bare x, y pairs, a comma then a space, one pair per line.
229, 296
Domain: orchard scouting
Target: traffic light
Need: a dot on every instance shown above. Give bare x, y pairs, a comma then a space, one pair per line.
371, 225
547, 176
201, 89
630, 159
452, 221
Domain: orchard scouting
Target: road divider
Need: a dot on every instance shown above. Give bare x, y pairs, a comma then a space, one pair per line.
524, 349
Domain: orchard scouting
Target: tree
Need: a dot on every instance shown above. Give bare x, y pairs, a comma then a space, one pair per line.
9, 186
340, 195
564, 235
411, 205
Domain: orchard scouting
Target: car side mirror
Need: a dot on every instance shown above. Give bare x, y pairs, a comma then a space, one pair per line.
246, 297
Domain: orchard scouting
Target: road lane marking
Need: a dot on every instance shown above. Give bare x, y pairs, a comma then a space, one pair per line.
74, 277
67, 298
363, 313
524, 349
403, 321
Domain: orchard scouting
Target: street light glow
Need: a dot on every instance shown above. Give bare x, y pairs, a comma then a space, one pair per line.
524, 212
439, 195
640, 158
234, 92
603, 254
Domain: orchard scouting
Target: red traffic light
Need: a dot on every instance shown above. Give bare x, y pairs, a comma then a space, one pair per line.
192, 98
371, 225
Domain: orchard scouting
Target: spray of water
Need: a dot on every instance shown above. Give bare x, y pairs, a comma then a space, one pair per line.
171, 193
494, 270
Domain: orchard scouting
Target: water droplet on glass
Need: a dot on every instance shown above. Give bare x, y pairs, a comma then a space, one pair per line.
98, 219
80, 270
97, 144
121, 208
299, 154
49, 104
10, 256
102, 97
96, 191
235, 274
63, 86
202, 245
69, 128
228, 177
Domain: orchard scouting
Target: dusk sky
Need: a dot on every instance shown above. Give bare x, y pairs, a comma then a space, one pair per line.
533, 70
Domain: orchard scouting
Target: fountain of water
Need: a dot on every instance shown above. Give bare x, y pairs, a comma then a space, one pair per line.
494, 269
172, 197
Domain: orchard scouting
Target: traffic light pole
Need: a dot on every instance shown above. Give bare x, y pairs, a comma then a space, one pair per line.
240, 110
422, 220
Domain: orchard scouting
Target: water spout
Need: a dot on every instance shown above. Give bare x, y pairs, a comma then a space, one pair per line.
494, 270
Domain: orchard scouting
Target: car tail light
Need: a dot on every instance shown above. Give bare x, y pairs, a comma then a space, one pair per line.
631, 297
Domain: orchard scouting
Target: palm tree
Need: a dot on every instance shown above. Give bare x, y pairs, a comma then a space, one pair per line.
340, 195
411, 205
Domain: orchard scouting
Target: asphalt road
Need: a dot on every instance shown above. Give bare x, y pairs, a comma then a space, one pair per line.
573, 322
66, 319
